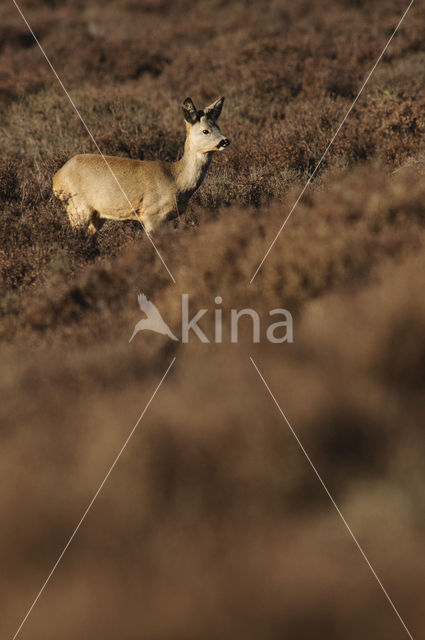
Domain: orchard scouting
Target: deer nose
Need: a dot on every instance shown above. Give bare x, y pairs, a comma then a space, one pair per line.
223, 143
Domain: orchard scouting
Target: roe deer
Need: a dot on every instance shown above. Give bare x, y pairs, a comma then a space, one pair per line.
94, 187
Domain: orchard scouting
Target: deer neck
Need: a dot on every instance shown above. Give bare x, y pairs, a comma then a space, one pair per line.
191, 169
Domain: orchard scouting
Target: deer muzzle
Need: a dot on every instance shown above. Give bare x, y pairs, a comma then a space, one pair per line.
223, 143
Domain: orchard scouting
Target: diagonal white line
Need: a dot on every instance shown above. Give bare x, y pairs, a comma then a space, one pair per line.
331, 142
93, 140
331, 498
93, 500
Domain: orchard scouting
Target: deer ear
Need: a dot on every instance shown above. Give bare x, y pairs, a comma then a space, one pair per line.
213, 110
189, 111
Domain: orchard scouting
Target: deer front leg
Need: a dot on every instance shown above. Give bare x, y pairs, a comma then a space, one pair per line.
156, 219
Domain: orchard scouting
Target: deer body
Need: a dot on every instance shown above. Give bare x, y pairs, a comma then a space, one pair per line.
95, 188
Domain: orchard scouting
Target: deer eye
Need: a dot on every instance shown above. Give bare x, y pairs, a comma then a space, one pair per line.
205, 131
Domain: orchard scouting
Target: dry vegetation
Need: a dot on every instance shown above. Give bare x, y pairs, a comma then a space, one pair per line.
213, 525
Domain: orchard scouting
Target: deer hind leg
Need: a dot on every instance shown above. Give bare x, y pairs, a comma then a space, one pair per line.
79, 213
96, 223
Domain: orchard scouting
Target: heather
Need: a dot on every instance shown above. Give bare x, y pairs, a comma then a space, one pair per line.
213, 524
